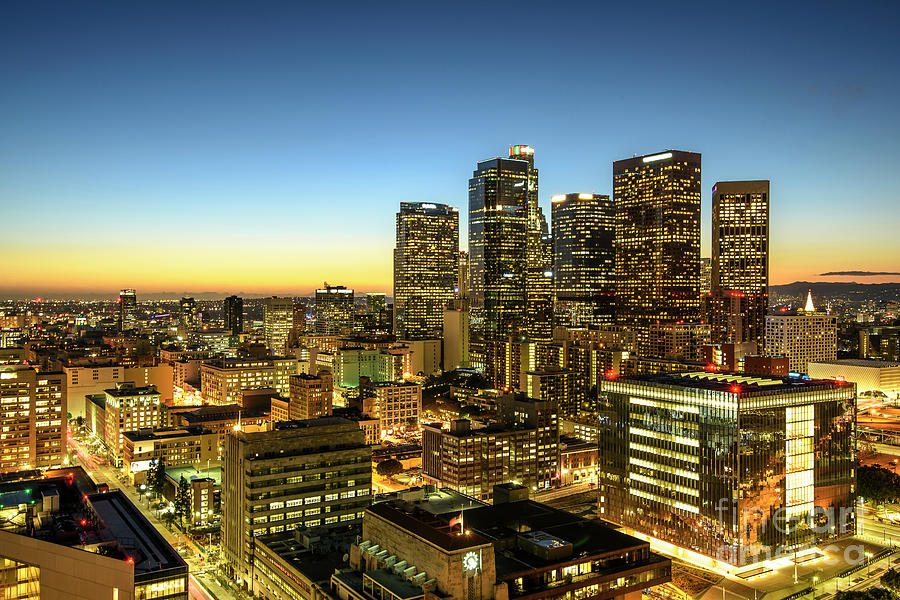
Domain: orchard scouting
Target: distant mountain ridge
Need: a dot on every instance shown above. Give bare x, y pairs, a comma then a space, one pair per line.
831, 288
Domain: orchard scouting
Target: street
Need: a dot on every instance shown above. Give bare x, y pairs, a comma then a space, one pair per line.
202, 585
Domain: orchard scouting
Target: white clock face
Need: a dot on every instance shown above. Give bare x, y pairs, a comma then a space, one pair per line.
471, 561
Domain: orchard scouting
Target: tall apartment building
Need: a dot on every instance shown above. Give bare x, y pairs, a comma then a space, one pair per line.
739, 284
233, 309
123, 408
334, 310
32, 419
521, 448
278, 318
805, 336
223, 380
657, 200
126, 311
426, 263
731, 467
558, 386
398, 405
188, 317
584, 277
498, 251
301, 474
311, 396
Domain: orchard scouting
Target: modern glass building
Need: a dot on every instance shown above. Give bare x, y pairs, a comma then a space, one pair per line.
498, 226
584, 233
234, 314
278, 318
738, 469
126, 314
426, 266
740, 261
657, 200
334, 310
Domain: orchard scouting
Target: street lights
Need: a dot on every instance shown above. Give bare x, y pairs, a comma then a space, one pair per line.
869, 556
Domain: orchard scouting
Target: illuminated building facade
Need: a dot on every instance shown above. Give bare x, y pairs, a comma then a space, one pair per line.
233, 308
188, 317
498, 243
126, 311
315, 473
584, 233
278, 319
223, 381
173, 446
311, 396
124, 408
397, 405
740, 262
426, 263
731, 467
657, 200
804, 337
32, 419
334, 310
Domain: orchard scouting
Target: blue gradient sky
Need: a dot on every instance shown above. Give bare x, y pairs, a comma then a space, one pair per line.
264, 147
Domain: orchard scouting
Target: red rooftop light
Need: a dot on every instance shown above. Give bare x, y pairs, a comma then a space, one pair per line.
736, 389
129, 560
611, 374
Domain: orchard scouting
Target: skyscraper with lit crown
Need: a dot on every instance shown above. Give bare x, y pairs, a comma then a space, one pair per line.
657, 199
126, 314
426, 267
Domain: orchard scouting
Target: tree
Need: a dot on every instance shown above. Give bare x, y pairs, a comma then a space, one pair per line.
389, 467
877, 484
891, 579
183, 500
870, 594
156, 477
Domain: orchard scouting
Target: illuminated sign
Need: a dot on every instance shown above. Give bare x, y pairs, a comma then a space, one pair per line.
429, 206
585, 196
657, 157
521, 151
558, 198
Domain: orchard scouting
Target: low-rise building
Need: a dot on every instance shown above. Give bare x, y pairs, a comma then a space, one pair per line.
174, 447
398, 405
223, 380
868, 375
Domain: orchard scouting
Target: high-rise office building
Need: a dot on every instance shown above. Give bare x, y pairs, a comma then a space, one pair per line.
462, 292
584, 233
376, 302
334, 310
278, 318
732, 467
234, 314
498, 251
187, 316
32, 419
657, 199
803, 336
315, 473
126, 311
537, 323
739, 280
426, 263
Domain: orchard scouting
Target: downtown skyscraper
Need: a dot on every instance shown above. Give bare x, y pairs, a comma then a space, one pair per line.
426, 267
584, 233
498, 260
126, 311
278, 318
657, 199
739, 284
233, 307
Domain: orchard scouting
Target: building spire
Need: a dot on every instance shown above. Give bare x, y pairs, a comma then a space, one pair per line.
809, 303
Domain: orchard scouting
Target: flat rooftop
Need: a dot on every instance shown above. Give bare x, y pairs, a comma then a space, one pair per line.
127, 525
192, 474
731, 382
163, 433
316, 563
857, 362
128, 391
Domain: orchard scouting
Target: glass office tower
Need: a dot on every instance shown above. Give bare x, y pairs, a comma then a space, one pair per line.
426, 265
657, 200
584, 232
739, 469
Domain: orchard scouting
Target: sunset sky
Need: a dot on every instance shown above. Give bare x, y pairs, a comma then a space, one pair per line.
265, 147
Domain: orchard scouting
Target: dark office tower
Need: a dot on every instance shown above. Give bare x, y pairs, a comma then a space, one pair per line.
498, 225
657, 199
334, 310
187, 316
584, 233
234, 314
462, 291
426, 267
739, 282
126, 316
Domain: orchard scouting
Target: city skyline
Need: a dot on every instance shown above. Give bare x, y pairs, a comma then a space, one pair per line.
110, 132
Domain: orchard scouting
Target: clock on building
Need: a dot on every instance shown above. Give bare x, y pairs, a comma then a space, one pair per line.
471, 561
